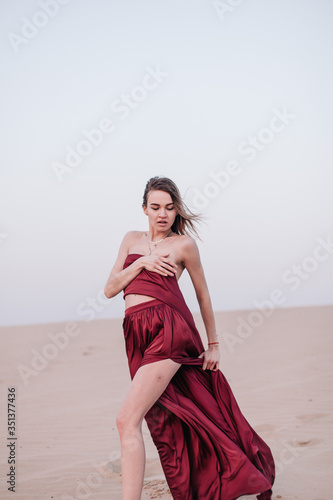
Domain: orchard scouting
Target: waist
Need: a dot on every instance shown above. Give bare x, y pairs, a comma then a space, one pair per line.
133, 298
142, 305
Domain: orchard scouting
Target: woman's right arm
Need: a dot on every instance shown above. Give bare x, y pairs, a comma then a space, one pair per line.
118, 280
119, 277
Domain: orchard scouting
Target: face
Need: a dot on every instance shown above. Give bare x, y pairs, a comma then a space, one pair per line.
160, 210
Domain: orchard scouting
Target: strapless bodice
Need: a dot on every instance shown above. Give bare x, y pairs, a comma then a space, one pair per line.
164, 288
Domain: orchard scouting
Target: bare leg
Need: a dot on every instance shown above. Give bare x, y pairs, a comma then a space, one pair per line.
149, 382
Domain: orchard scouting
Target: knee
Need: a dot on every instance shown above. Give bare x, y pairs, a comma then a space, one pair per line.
126, 424
120, 422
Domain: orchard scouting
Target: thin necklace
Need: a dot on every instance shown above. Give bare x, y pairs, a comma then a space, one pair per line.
156, 242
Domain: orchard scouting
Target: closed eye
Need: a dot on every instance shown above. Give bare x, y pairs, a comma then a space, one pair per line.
167, 208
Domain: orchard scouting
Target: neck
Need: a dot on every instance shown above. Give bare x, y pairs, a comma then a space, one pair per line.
154, 235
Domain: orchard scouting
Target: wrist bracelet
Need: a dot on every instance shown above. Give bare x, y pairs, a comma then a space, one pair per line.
210, 343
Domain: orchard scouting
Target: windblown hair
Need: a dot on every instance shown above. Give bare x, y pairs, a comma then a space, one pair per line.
185, 218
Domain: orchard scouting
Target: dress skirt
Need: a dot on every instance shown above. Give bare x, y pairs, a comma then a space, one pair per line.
207, 449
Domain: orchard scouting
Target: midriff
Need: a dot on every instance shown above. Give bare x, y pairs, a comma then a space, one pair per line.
135, 298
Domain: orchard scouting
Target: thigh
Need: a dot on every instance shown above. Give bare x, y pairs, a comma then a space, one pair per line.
149, 382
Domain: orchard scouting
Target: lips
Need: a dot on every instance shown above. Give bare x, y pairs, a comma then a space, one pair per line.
161, 222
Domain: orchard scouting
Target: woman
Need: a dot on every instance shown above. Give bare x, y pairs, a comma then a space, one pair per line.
207, 448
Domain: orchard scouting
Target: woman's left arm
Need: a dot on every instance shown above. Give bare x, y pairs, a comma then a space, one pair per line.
192, 262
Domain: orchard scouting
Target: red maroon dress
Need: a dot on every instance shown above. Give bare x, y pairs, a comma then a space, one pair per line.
207, 449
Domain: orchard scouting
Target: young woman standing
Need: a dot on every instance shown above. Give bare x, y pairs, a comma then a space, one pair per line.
207, 448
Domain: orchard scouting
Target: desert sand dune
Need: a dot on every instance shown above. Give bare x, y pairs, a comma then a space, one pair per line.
67, 442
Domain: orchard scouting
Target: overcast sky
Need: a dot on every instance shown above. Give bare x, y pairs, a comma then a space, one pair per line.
233, 103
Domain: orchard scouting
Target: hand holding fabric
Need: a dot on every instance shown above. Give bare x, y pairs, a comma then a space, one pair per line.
211, 359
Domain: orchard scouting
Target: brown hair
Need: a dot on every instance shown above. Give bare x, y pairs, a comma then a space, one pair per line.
185, 218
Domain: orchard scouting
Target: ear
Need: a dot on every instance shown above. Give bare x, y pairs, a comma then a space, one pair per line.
145, 209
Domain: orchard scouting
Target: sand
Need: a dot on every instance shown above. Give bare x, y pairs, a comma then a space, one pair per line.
67, 443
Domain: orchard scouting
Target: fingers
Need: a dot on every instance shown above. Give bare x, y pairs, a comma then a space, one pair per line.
165, 271
169, 269
169, 264
210, 367
163, 267
209, 364
214, 369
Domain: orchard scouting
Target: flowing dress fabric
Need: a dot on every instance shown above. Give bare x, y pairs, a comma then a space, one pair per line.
207, 449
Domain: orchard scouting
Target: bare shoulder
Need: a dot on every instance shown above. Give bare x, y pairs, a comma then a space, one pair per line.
190, 251
129, 238
132, 237
188, 243
134, 233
